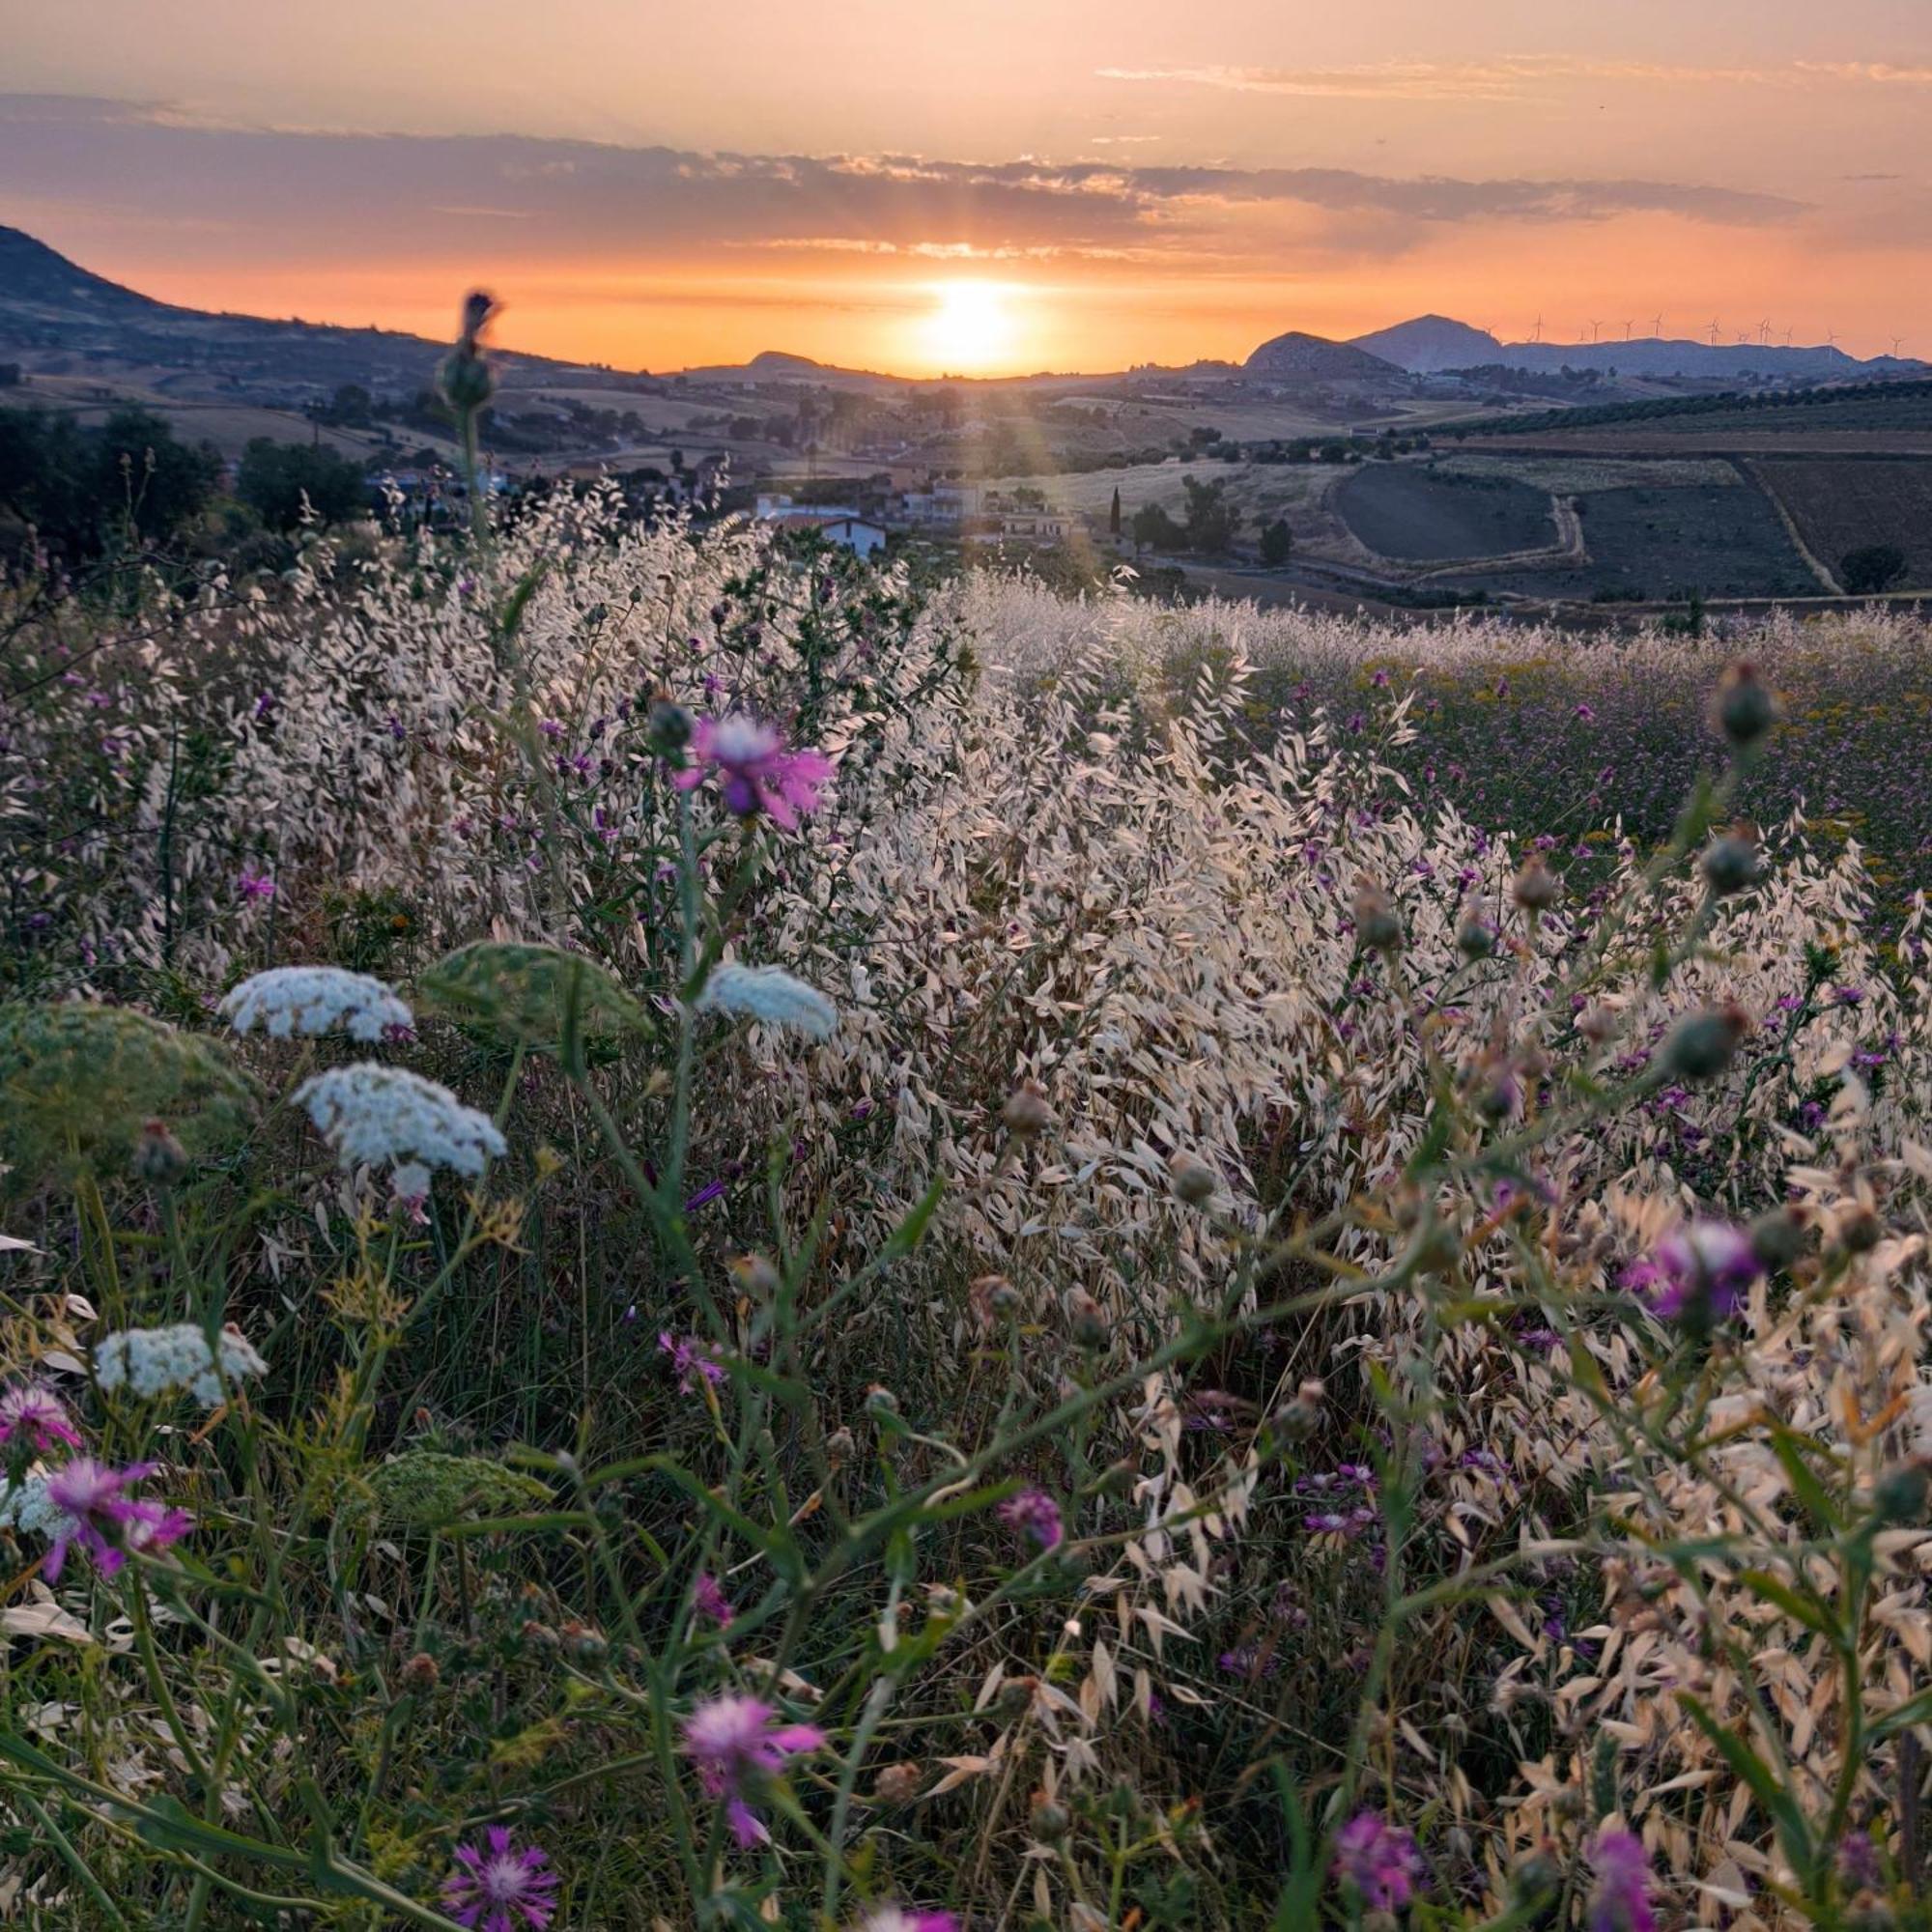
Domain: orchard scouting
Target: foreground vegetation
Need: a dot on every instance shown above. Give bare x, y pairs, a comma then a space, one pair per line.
692, 1241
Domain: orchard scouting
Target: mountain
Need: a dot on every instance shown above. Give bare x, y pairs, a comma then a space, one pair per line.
1297, 356
1430, 344
59, 318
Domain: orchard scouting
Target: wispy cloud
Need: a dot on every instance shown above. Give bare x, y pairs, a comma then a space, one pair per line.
1508, 76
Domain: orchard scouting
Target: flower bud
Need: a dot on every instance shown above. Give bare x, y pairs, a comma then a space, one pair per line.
668, 728
1026, 1112
420, 1673
1191, 1179
1859, 1230
1536, 888
1475, 938
1900, 1495
1730, 861
1086, 1320
897, 1784
585, 1643
158, 1157
840, 1446
1744, 708
1536, 1875
1777, 1238
1377, 923
881, 1401
1702, 1044
1049, 1821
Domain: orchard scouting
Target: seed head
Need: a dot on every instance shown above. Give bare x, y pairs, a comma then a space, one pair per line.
1744, 708
1192, 1179
1026, 1112
1702, 1044
158, 1157
1049, 1820
1086, 1320
1536, 889
898, 1783
420, 1673
1475, 938
1377, 923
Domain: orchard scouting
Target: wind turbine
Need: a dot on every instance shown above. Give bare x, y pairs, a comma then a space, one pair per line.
1764, 332
1536, 334
1830, 338
1715, 324
1657, 326
1627, 331
1596, 330
1787, 334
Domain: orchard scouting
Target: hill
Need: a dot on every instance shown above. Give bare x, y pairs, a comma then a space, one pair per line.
61, 319
1429, 344
1300, 356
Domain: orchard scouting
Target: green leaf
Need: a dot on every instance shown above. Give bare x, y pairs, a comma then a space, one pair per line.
1770, 1791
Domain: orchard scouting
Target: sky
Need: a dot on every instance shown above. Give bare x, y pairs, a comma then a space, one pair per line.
983, 187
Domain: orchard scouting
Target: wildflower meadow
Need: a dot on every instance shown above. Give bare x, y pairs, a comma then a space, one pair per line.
691, 1239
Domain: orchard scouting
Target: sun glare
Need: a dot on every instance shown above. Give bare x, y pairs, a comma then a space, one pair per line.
970, 326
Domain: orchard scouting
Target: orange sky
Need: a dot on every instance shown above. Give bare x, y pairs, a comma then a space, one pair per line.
1118, 180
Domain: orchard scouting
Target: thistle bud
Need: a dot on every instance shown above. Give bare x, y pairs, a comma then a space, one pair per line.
1049, 1820
1859, 1230
1026, 1112
897, 1784
991, 1296
1299, 1417
668, 728
1536, 1875
1744, 708
840, 1446
1475, 938
1730, 861
158, 1157
420, 1673
1777, 1238
587, 1645
1536, 888
1086, 1320
1016, 1695
881, 1401
1191, 1179
1702, 1044
1900, 1495
1377, 923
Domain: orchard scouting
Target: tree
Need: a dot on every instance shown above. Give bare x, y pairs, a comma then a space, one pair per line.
1154, 529
1277, 544
147, 482
1211, 520
279, 478
1114, 517
351, 404
1871, 568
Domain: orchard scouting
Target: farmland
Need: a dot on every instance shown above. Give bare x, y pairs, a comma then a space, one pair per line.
1845, 504
1415, 516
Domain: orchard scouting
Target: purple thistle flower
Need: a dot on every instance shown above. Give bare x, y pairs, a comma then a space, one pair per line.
1379, 1860
690, 1359
39, 1416
1859, 1862
897, 1918
708, 1600
106, 1523
756, 772
254, 885
1706, 1268
736, 1746
1621, 1901
1036, 1516
498, 1887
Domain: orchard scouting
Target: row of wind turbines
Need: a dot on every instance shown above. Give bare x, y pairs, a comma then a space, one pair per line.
1745, 337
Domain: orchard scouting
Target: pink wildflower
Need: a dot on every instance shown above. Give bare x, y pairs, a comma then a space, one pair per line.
1036, 1516
737, 1747
709, 1600
1706, 1266
498, 1888
1379, 1860
101, 1519
1621, 1901
38, 1417
756, 772
895, 1919
690, 1358
255, 885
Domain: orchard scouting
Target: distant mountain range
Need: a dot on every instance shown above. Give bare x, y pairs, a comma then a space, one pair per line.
53, 310
1431, 344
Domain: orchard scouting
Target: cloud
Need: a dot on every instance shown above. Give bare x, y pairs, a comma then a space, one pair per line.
276, 194
1506, 77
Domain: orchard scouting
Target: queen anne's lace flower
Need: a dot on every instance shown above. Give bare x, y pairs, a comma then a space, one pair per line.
769, 993
387, 1114
155, 1361
27, 1507
288, 999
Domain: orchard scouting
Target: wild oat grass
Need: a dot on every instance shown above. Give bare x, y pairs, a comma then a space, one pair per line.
1136, 1319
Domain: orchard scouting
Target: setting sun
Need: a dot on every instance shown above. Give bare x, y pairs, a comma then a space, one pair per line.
970, 326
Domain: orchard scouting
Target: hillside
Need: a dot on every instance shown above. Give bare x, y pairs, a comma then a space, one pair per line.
1430, 344
61, 319
1300, 356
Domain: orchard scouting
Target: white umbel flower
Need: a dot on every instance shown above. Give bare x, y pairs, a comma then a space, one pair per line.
289, 1000
769, 993
27, 1506
381, 1114
156, 1361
